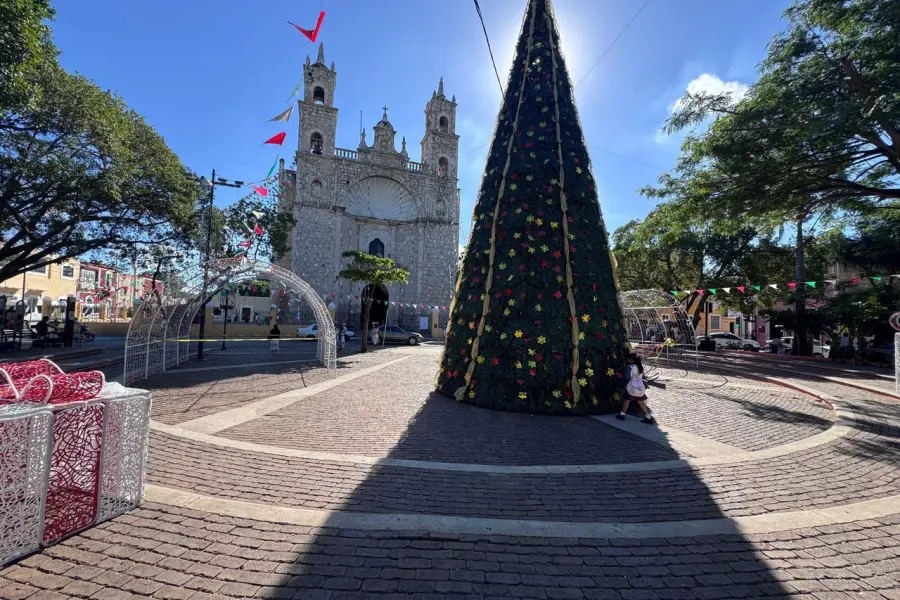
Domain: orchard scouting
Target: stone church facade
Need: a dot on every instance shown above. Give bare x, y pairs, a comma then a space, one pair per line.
374, 199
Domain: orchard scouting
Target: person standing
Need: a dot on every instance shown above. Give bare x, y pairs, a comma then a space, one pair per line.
341, 337
845, 345
274, 339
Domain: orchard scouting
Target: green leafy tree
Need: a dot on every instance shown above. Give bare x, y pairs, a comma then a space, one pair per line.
642, 265
677, 252
25, 47
266, 212
80, 171
535, 324
872, 245
372, 271
816, 138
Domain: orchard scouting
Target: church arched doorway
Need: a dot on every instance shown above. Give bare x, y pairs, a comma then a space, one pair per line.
379, 310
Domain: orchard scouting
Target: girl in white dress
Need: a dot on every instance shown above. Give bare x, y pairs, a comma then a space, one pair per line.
636, 390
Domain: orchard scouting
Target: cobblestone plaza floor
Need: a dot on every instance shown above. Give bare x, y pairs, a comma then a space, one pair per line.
269, 479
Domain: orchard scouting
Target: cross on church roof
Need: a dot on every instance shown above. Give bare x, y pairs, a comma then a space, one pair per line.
384, 117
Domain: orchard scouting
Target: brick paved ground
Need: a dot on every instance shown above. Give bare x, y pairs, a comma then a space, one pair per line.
180, 396
163, 552
170, 553
395, 413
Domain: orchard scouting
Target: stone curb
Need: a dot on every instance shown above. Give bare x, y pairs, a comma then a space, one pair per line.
757, 524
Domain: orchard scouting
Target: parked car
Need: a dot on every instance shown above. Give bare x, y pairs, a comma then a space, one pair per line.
819, 350
730, 341
311, 332
391, 334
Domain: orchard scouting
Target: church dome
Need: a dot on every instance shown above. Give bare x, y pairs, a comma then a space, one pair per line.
381, 198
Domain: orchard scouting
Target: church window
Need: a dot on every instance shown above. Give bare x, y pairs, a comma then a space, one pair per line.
317, 190
316, 142
441, 208
444, 125
319, 95
376, 248
443, 166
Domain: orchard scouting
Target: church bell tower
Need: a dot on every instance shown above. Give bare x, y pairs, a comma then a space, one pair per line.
318, 116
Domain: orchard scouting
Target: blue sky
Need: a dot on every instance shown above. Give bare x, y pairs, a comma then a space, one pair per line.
209, 74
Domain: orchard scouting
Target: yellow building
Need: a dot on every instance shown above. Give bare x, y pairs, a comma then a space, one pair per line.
719, 319
46, 290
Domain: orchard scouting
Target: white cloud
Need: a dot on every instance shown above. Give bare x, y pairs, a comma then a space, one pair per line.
711, 84
704, 83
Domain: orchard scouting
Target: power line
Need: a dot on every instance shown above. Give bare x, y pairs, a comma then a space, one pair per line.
597, 62
613, 43
491, 52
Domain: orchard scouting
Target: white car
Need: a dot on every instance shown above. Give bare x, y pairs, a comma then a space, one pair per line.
312, 331
819, 350
731, 341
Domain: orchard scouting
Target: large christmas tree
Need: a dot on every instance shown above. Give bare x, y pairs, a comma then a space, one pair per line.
535, 323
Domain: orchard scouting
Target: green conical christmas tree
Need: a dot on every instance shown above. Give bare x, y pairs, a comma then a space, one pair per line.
535, 323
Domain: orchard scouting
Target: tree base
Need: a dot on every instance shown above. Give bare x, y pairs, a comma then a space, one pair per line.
580, 410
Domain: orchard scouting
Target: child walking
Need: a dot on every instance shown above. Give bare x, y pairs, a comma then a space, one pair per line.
635, 390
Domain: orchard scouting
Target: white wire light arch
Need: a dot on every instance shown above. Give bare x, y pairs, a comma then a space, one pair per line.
657, 323
160, 334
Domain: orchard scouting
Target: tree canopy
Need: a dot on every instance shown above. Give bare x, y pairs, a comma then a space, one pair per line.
817, 134
253, 209
25, 46
79, 170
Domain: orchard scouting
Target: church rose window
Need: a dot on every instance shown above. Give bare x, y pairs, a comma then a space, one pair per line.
380, 198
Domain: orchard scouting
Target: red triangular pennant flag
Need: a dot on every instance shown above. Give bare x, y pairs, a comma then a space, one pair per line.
278, 138
257, 229
245, 244
792, 285
741, 288
259, 190
311, 35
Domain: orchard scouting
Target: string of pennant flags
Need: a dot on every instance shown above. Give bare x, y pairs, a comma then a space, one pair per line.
342, 298
790, 285
276, 140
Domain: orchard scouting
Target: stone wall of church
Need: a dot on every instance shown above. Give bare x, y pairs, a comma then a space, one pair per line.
426, 247
312, 253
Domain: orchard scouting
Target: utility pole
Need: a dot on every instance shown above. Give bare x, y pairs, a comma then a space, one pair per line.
209, 230
202, 334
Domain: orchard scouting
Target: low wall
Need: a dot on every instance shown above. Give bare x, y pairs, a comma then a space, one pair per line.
112, 329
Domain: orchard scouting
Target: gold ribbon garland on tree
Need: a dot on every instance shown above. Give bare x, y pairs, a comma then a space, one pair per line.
486, 307
564, 206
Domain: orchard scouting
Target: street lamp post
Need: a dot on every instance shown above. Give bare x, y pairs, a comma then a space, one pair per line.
212, 183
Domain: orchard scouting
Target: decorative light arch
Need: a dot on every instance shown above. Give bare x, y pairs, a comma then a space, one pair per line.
655, 319
159, 337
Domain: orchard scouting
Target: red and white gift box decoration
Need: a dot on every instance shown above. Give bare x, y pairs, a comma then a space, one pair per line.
86, 438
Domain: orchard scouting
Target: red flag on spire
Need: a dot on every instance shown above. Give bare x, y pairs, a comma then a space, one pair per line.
257, 229
259, 190
311, 35
276, 139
